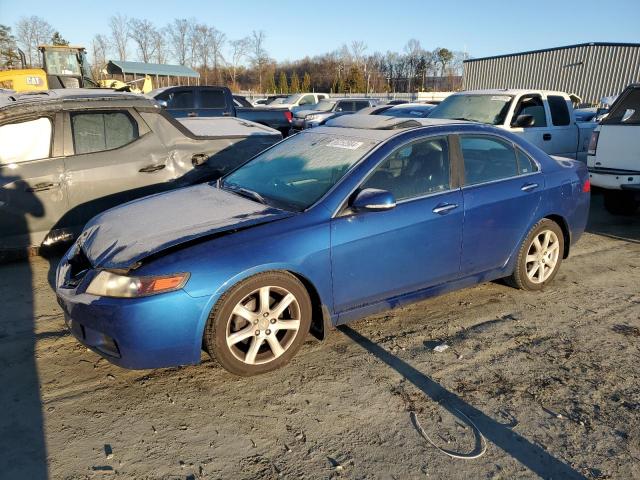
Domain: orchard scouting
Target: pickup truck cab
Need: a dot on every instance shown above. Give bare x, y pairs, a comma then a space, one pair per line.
213, 101
614, 154
545, 118
298, 100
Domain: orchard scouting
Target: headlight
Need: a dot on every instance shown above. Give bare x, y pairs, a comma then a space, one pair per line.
311, 117
109, 284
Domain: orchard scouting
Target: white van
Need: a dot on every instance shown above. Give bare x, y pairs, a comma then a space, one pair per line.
614, 154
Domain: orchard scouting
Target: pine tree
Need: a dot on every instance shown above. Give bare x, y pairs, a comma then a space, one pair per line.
355, 80
306, 82
295, 83
271, 83
283, 87
57, 39
8, 49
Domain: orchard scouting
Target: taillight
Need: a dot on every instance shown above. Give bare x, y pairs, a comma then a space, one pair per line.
288, 115
586, 188
593, 143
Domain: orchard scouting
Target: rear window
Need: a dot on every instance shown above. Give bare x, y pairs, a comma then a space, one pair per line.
559, 110
626, 111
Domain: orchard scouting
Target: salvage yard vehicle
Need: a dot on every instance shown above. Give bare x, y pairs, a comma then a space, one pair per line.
211, 101
335, 223
299, 100
326, 109
69, 154
545, 118
407, 110
614, 154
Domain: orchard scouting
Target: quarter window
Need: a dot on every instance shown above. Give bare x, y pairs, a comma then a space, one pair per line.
487, 159
96, 132
24, 141
416, 169
525, 163
559, 110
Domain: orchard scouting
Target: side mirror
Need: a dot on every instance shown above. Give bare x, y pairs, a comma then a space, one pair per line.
162, 103
524, 121
373, 200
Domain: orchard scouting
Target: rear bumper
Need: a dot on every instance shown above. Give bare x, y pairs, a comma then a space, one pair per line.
615, 181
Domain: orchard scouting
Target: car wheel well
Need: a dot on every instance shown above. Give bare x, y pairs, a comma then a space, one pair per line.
562, 223
318, 319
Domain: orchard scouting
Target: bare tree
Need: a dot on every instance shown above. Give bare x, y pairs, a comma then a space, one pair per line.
412, 49
99, 48
178, 34
160, 45
217, 39
239, 50
259, 56
143, 34
31, 32
119, 25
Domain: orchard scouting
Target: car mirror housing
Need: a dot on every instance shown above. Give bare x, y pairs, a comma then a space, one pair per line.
162, 103
373, 200
524, 121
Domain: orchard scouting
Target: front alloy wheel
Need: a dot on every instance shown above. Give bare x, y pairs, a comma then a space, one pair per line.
259, 324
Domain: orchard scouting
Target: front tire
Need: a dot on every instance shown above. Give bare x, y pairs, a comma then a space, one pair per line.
259, 324
539, 257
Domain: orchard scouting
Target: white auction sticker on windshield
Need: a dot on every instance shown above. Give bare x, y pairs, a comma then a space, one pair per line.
347, 144
500, 98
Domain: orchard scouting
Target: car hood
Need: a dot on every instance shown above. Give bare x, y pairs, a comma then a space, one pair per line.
121, 237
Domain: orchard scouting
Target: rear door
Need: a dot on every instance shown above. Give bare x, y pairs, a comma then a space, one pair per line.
111, 157
33, 197
564, 140
212, 102
502, 191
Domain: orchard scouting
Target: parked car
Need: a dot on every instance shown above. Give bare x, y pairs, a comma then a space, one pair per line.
299, 100
66, 155
276, 98
326, 109
210, 101
614, 154
375, 110
335, 223
545, 118
241, 101
397, 101
407, 110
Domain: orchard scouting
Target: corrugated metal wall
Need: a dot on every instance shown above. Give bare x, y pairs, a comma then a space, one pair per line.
589, 71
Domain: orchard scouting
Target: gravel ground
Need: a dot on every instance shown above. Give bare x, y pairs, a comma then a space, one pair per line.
551, 380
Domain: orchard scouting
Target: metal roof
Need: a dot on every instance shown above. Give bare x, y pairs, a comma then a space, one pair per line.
577, 45
141, 68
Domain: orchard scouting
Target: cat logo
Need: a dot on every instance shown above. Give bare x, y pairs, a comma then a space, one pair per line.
33, 81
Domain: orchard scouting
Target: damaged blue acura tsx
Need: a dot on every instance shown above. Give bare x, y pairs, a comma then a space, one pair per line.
365, 214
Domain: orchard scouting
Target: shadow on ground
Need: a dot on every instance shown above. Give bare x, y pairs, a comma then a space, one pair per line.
603, 223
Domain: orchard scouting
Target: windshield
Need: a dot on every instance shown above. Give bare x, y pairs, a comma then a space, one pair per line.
292, 98
491, 109
323, 106
62, 63
299, 171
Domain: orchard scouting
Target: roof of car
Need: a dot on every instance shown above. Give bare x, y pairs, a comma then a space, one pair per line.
68, 94
508, 91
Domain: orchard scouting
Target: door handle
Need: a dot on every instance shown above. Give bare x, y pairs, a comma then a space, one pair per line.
226, 114
546, 137
527, 187
152, 168
199, 159
192, 114
444, 208
41, 187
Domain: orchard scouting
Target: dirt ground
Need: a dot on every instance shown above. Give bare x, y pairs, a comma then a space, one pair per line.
551, 380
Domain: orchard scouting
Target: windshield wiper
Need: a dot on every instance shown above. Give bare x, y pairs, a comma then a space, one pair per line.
245, 192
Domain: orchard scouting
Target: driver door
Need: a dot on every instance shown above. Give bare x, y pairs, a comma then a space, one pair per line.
376, 256
540, 132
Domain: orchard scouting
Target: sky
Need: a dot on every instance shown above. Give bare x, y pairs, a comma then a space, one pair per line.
295, 30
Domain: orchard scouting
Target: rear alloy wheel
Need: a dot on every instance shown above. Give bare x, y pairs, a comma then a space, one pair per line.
259, 324
539, 257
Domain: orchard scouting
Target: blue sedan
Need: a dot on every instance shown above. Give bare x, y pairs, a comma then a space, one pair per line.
365, 214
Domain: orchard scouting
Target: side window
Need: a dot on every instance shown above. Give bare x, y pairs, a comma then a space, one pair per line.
360, 105
345, 107
307, 100
212, 99
532, 106
626, 111
24, 141
559, 110
487, 159
525, 163
416, 169
180, 99
96, 132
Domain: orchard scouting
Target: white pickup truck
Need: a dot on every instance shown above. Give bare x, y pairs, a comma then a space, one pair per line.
614, 154
543, 117
298, 100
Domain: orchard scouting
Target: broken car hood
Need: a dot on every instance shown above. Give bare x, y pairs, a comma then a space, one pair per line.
124, 235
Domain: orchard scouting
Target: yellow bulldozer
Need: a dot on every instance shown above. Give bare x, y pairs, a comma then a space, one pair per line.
63, 66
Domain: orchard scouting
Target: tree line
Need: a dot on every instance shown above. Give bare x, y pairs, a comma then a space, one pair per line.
244, 63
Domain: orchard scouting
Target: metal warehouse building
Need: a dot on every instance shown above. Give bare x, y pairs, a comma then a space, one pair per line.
590, 70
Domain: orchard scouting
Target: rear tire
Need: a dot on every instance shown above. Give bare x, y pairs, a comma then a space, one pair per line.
539, 257
259, 324
619, 202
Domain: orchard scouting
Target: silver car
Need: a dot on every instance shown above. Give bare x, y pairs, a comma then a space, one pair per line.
325, 109
67, 155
